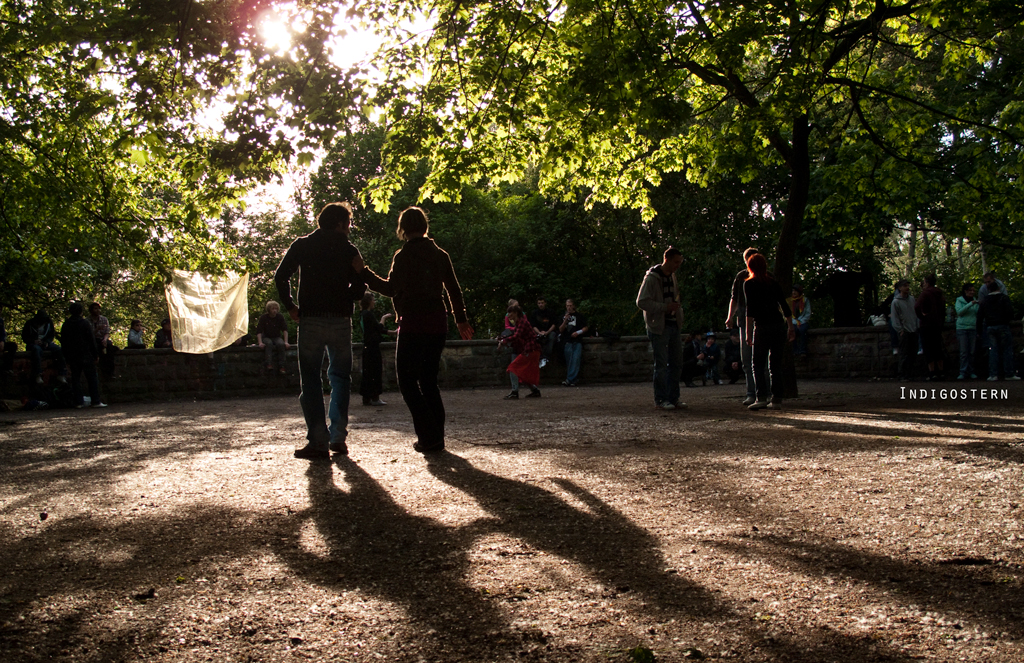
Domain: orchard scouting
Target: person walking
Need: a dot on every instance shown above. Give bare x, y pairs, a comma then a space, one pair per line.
769, 327
659, 300
421, 275
328, 286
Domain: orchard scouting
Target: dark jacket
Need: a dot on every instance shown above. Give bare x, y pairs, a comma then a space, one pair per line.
328, 286
77, 341
30, 333
995, 310
421, 273
930, 308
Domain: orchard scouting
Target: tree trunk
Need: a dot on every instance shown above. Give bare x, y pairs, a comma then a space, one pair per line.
785, 253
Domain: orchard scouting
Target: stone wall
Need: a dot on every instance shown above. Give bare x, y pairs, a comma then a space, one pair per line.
232, 372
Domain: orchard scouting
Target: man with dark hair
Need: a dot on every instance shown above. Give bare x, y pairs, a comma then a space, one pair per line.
994, 316
82, 352
328, 287
931, 311
904, 321
572, 329
545, 325
659, 300
38, 334
737, 318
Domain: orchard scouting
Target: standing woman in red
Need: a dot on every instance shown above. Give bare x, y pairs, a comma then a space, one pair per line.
421, 279
768, 329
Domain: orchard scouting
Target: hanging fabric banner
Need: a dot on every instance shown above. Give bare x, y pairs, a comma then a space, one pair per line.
207, 312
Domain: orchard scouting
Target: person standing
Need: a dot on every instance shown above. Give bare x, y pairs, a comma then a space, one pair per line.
904, 321
966, 330
7, 348
768, 328
659, 300
421, 276
994, 316
272, 336
372, 383
931, 311
82, 352
525, 366
801, 308
737, 317
572, 329
101, 328
545, 325
328, 286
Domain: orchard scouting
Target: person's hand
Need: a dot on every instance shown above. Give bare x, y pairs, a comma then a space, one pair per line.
294, 313
358, 264
386, 316
792, 333
287, 346
261, 344
465, 331
672, 307
726, 325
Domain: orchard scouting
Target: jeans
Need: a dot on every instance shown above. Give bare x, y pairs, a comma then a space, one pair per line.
271, 347
800, 344
89, 369
573, 355
747, 360
967, 339
36, 354
1000, 351
547, 344
668, 363
317, 336
417, 361
769, 341
908, 354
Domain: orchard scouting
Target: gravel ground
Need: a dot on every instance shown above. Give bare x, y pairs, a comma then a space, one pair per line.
854, 525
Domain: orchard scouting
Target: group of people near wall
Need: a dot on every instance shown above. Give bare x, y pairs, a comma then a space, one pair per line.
534, 339
983, 318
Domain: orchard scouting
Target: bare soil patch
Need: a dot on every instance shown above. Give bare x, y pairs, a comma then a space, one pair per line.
851, 526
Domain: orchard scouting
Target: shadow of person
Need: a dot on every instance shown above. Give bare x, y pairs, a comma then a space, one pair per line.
369, 542
615, 551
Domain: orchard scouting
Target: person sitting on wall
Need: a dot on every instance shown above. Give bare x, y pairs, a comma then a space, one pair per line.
163, 335
801, 308
135, 339
693, 359
272, 336
38, 334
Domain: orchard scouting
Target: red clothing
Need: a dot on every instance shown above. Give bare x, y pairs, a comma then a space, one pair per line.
527, 367
523, 340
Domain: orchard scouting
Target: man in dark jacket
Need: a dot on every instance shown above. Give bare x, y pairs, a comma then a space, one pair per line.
38, 334
995, 313
930, 308
82, 352
328, 287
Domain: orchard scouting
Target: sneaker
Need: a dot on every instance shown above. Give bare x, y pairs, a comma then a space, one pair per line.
62, 379
534, 393
749, 400
774, 406
512, 395
1013, 377
81, 406
376, 403
718, 382
98, 405
993, 379
39, 379
679, 406
973, 376
566, 383
758, 405
543, 363
339, 447
309, 453
961, 377
665, 405
428, 449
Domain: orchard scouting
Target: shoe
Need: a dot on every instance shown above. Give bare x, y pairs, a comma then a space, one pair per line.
428, 449
512, 395
1013, 377
774, 406
98, 405
749, 400
338, 447
377, 403
62, 379
79, 407
574, 384
534, 393
39, 379
758, 405
973, 376
309, 453
961, 377
679, 406
543, 363
993, 379
665, 405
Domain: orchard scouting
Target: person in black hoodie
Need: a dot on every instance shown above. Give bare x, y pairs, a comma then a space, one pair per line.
328, 287
81, 352
38, 334
995, 313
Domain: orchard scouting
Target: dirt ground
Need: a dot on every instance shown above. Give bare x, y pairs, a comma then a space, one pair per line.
854, 525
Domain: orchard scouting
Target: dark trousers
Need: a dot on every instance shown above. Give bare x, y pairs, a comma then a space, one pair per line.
908, 353
769, 342
89, 369
107, 358
372, 383
417, 359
